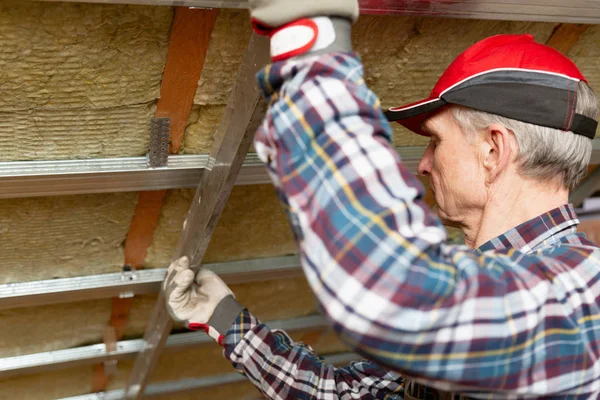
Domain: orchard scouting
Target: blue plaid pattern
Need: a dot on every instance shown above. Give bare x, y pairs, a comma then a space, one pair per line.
517, 318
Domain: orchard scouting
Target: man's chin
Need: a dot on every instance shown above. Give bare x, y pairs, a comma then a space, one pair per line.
445, 218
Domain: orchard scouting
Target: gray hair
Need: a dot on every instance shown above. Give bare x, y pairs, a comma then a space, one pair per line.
544, 153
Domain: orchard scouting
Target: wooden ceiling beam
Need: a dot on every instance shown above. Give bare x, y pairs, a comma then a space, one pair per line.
188, 46
566, 36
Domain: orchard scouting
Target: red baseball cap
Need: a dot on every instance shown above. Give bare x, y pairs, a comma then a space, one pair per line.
511, 76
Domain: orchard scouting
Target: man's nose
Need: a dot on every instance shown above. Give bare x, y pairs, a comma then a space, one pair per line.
424, 167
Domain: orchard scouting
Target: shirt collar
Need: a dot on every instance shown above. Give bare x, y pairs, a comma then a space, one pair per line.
535, 232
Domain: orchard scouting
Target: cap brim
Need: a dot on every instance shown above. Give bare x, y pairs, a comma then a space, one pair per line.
412, 116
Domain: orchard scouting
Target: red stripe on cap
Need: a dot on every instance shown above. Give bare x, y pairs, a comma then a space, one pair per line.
505, 51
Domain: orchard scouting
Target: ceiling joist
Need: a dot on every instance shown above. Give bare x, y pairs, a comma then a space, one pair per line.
188, 45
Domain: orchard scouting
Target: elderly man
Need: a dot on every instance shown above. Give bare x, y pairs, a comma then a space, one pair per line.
514, 314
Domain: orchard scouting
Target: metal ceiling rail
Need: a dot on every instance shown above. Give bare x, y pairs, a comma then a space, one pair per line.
128, 284
575, 11
109, 175
65, 177
192, 384
126, 349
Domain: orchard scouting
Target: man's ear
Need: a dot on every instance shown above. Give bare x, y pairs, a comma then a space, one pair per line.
497, 150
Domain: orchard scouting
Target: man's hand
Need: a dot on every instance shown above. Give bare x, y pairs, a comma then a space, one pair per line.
202, 301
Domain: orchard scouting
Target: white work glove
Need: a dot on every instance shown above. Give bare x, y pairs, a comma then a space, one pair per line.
202, 301
300, 27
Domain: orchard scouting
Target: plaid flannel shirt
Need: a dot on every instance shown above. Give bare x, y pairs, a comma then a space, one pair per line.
519, 317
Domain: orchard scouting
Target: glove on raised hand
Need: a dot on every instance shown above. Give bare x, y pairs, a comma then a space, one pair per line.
298, 27
202, 301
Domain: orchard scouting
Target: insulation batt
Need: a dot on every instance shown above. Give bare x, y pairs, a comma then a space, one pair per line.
71, 81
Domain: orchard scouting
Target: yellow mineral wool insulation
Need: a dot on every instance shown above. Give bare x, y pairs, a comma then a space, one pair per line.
268, 300
228, 45
52, 327
253, 225
201, 127
404, 56
189, 362
76, 133
66, 236
48, 385
586, 54
79, 80
62, 326
64, 56
200, 361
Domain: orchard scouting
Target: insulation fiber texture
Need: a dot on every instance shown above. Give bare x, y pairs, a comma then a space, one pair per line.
228, 45
199, 361
403, 58
52, 327
29, 330
184, 363
48, 385
65, 236
253, 225
586, 54
47, 328
73, 81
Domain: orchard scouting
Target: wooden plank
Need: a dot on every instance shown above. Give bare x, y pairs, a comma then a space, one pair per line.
565, 36
143, 224
188, 45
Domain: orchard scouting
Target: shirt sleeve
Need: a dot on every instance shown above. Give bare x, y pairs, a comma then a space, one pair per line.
282, 369
376, 258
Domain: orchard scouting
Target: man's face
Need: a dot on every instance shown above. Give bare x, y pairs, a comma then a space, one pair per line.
452, 163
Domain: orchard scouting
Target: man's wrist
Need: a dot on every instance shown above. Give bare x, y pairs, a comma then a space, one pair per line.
225, 315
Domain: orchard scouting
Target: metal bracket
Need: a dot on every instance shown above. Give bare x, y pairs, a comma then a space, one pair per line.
129, 275
159, 142
110, 341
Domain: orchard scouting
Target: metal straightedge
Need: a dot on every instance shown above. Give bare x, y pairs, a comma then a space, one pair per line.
232, 140
127, 284
575, 11
126, 349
